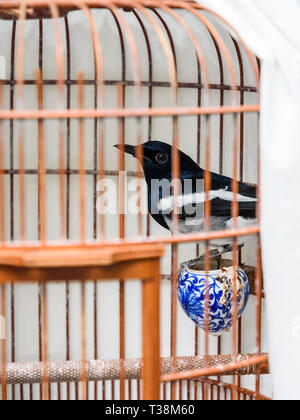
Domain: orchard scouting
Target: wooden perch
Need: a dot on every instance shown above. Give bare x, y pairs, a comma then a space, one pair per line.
104, 370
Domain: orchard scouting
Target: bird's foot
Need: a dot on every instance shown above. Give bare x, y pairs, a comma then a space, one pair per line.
224, 249
219, 251
215, 254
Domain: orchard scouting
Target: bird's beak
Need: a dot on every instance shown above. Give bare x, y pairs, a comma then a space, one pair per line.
132, 150
126, 148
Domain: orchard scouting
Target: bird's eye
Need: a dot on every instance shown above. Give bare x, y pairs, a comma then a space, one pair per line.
161, 157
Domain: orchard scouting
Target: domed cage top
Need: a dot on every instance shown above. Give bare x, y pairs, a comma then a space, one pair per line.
77, 78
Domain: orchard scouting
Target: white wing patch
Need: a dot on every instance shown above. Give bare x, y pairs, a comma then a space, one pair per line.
166, 204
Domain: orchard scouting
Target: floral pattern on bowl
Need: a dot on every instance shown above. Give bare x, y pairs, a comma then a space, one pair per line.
192, 286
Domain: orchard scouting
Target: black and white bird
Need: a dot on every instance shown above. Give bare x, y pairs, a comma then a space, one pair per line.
156, 160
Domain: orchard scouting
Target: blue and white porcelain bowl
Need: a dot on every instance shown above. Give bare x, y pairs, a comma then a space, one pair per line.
192, 285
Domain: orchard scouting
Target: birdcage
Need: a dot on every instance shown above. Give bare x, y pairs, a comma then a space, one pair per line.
77, 77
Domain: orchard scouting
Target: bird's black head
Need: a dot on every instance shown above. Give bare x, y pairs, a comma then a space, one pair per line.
156, 159
154, 156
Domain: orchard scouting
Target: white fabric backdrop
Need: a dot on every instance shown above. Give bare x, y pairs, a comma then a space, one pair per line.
271, 29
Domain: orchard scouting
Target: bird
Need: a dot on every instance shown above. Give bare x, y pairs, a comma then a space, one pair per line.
156, 160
